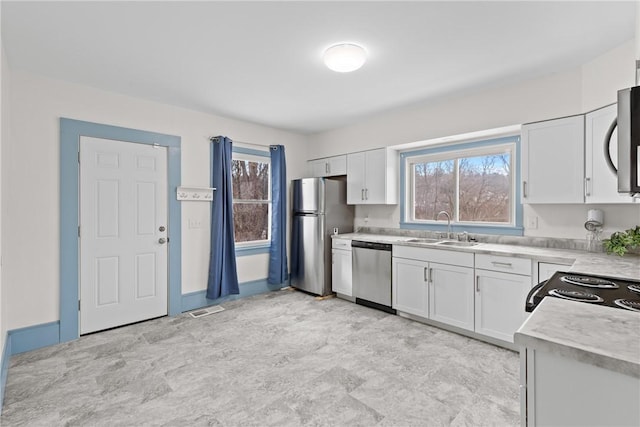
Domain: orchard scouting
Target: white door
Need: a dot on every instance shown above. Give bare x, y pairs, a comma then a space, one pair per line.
123, 232
341, 272
410, 286
451, 295
355, 178
600, 181
376, 176
500, 299
553, 161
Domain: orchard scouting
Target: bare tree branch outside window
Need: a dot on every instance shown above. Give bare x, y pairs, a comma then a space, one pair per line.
484, 188
250, 182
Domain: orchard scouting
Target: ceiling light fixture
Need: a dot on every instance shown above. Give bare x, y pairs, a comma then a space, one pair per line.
345, 57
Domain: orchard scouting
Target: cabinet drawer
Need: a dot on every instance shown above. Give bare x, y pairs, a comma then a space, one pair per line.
341, 244
442, 256
504, 263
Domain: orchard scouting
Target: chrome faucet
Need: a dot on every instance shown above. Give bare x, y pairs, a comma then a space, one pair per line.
448, 222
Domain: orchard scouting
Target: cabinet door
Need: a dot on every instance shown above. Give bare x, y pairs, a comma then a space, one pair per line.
355, 178
410, 290
499, 300
546, 270
337, 165
451, 295
553, 161
318, 168
375, 189
601, 183
341, 272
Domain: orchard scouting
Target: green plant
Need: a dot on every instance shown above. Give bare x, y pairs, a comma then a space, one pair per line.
621, 241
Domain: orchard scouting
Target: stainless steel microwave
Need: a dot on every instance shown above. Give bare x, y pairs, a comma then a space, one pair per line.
629, 141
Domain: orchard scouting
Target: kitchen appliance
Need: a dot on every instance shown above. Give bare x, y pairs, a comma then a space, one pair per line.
319, 208
372, 274
599, 290
628, 124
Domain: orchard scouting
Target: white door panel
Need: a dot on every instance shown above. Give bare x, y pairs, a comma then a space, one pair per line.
123, 206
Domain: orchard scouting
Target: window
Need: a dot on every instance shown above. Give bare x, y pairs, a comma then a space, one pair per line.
251, 182
473, 182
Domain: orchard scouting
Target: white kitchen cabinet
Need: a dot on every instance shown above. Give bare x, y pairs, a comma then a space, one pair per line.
329, 166
410, 286
499, 303
546, 270
372, 177
433, 284
601, 183
553, 383
451, 295
553, 161
341, 267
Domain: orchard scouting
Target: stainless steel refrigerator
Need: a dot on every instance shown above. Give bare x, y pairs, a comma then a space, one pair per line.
319, 207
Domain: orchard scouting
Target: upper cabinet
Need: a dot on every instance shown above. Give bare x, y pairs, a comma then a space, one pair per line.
601, 184
372, 177
329, 166
553, 161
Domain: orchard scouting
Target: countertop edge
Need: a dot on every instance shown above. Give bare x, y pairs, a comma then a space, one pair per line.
539, 332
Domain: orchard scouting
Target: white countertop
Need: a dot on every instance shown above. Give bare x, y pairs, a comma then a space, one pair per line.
602, 336
599, 264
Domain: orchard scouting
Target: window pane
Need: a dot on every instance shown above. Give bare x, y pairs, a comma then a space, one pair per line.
485, 188
434, 186
251, 221
250, 180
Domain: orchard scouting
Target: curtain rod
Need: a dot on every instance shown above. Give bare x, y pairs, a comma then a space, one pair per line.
213, 138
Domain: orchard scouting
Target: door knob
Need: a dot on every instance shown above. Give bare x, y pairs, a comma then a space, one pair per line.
162, 228
162, 240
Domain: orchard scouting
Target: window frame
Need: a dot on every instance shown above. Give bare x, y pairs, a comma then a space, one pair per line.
456, 152
255, 246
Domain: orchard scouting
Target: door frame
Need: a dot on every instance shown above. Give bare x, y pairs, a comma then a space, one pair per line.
70, 132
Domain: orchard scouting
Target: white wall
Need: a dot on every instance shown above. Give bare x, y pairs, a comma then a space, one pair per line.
4, 137
31, 208
574, 91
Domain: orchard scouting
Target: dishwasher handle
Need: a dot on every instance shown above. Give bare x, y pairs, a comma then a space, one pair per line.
371, 245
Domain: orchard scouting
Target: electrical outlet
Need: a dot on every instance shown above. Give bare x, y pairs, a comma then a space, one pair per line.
532, 222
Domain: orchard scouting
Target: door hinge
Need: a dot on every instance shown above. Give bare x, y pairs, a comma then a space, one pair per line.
78, 305
78, 157
78, 231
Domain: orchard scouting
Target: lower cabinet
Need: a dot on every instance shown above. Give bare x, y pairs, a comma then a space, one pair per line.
341, 272
499, 303
546, 270
552, 383
440, 292
410, 289
481, 293
451, 295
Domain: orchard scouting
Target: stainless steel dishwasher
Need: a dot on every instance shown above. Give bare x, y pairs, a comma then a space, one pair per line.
372, 274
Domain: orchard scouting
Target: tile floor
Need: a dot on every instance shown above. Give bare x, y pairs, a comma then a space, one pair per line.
277, 359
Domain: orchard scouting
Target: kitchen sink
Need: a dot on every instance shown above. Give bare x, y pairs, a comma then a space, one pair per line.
425, 240
456, 243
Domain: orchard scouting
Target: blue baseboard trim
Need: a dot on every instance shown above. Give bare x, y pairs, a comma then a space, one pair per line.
198, 299
46, 334
4, 368
34, 337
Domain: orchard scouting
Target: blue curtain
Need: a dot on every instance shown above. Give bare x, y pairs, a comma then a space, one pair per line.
223, 275
278, 249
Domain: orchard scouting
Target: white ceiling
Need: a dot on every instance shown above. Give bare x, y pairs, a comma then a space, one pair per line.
262, 61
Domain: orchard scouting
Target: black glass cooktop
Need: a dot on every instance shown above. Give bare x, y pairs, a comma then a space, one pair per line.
611, 292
